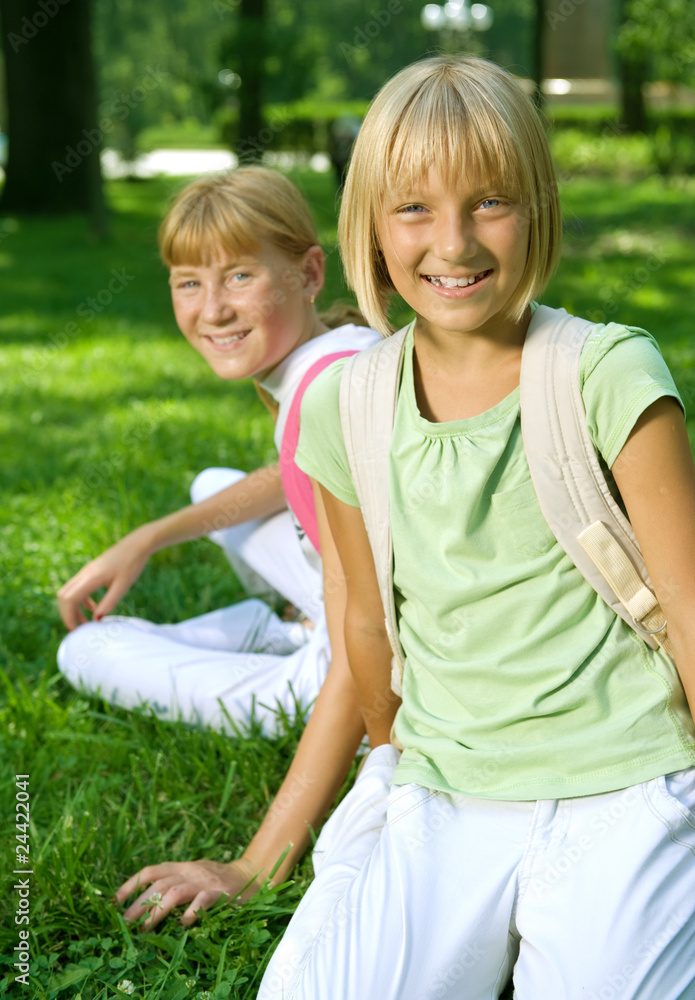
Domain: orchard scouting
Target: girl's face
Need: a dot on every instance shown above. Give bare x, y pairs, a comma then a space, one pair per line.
456, 255
245, 314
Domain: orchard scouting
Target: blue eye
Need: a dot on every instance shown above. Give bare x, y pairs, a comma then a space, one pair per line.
490, 203
240, 275
412, 209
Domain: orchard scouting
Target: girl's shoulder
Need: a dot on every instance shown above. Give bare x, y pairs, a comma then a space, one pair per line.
324, 391
346, 337
621, 372
636, 348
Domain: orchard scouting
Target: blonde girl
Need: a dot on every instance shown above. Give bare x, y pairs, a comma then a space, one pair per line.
538, 823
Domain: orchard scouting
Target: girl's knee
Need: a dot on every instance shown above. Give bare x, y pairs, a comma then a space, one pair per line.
211, 481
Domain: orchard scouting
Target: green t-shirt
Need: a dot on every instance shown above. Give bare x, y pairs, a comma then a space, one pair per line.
519, 681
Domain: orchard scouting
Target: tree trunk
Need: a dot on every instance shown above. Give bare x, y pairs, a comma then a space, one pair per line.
632, 71
538, 63
633, 110
53, 135
251, 48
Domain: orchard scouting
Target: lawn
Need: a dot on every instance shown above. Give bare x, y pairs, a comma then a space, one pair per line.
107, 417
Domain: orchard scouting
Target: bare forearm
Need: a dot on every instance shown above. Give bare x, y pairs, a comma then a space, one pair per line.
369, 654
259, 494
326, 750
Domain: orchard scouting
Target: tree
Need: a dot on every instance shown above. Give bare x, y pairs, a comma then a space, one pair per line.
632, 71
539, 21
157, 64
246, 48
53, 135
656, 41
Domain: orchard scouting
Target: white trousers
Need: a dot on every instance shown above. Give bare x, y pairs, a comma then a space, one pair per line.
421, 895
217, 669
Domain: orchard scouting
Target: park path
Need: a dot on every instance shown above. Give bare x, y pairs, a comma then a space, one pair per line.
190, 162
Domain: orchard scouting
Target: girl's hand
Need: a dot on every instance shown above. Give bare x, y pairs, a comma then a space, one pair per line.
117, 569
200, 883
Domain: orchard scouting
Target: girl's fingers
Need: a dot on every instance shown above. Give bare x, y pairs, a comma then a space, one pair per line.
152, 899
203, 901
71, 601
116, 591
176, 895
163, 887
140, 880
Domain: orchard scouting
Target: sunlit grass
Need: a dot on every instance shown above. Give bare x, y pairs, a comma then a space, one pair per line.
104, 425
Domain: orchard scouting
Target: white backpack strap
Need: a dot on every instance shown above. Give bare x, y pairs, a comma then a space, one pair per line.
368, 395
572, 490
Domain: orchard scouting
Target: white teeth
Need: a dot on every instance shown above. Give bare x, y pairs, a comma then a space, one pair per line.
227, 340
444, 282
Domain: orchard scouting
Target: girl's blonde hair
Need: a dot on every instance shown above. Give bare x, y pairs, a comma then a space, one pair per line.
466, 116
237, 210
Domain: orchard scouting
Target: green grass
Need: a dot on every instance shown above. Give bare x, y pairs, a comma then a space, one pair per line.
104, 425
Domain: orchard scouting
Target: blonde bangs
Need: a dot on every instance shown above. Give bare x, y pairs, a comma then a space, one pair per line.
197, 235
235, 212
457, 134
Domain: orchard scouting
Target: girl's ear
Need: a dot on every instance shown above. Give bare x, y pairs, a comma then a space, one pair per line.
314, 269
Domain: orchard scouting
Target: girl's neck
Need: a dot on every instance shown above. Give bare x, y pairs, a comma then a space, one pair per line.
314, 327
462, 374
317, 327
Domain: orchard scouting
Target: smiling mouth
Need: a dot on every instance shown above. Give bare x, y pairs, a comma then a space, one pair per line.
442, 281
229, 339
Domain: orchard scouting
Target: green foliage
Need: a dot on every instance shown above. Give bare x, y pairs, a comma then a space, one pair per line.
669, 149
157, 64
330, 54
607, 153
662, 32
104, 428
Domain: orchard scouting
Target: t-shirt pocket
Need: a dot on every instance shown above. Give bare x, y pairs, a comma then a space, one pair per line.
521, 520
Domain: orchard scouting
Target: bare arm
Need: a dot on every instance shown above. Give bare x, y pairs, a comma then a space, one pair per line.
325, 752
655, 474
257, 495
368, 649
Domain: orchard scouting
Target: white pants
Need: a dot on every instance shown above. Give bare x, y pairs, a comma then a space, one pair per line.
421, 895
223, 666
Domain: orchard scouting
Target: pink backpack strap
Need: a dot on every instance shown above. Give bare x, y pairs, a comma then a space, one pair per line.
296, 484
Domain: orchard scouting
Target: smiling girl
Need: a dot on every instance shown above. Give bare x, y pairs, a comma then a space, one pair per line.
537, 819
245, 268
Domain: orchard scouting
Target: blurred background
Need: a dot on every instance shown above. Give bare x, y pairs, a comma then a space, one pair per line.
107, 107
286, 80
